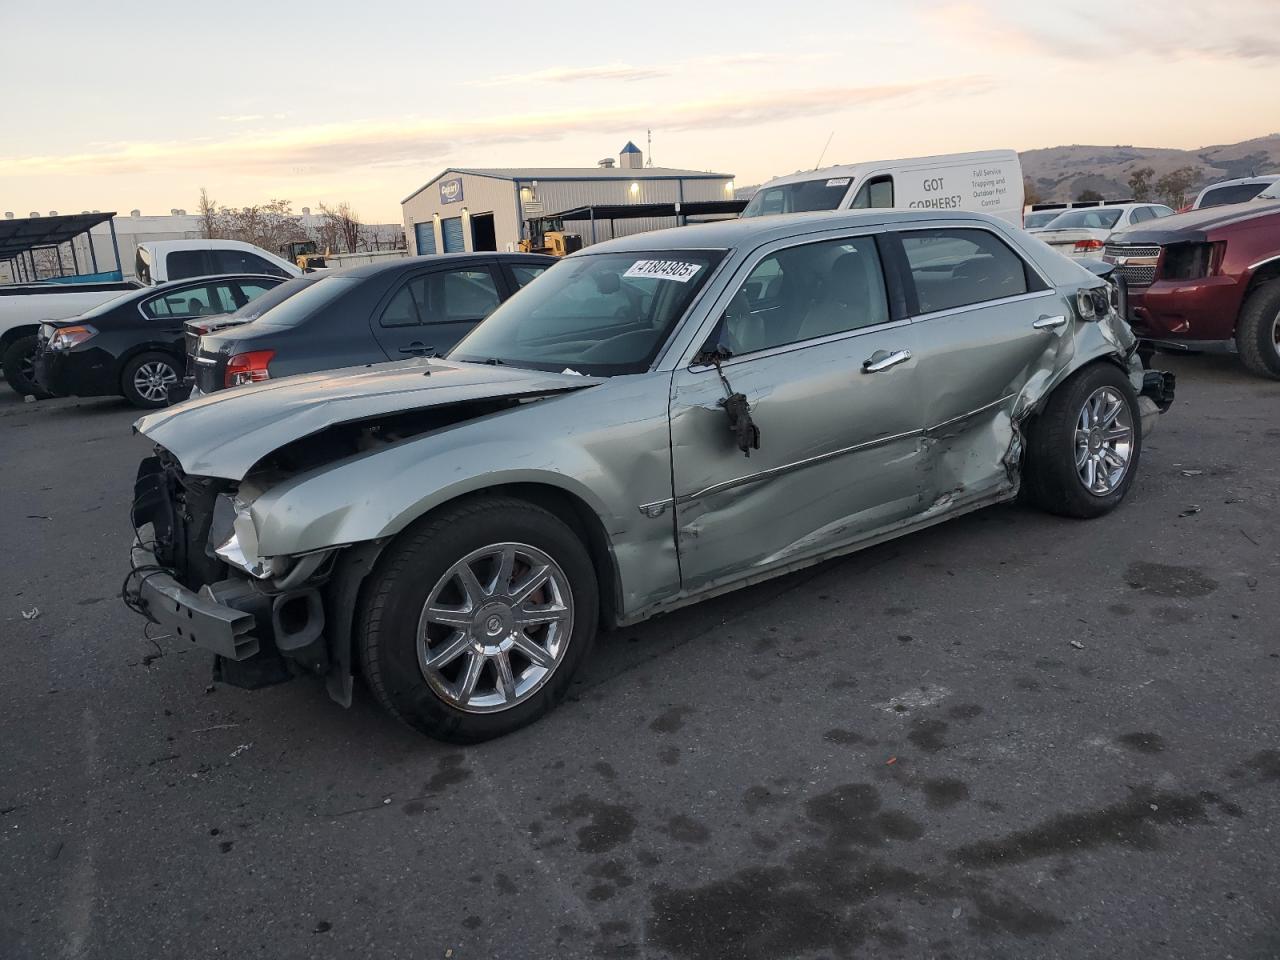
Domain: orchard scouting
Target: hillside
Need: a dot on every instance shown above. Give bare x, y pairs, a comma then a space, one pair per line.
1061, 173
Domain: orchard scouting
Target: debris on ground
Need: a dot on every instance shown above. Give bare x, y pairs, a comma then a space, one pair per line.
1191, 511
1192, 473
31, 614
1234, 500
1077, 644
240, 749
38, 516
216, 726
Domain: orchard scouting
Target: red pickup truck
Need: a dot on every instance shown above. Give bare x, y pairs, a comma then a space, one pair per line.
1205, 280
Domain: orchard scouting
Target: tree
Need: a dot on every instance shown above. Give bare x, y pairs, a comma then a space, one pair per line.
208, 216
1090, 195
343, 224
1030, 194
1140, 184
1174, 186
269, 226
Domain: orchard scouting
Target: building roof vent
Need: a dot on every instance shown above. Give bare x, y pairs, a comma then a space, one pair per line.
135, 213
34, 214
605, 164
8, 214
306, 211
53, 213
631, 157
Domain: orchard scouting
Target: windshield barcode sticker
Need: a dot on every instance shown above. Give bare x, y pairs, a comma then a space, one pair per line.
838, 182
677, 270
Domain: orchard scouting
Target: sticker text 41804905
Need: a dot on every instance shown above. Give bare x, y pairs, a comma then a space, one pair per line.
680, 271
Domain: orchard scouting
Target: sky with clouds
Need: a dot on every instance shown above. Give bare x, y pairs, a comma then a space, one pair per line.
141, 104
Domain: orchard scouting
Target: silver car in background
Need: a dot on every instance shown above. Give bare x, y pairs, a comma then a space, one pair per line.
654, 420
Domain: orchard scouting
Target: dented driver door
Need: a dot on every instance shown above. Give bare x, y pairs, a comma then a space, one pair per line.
830, 374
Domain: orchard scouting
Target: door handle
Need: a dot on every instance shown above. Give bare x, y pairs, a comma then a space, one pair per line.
884, 359
417, 347
1048, 323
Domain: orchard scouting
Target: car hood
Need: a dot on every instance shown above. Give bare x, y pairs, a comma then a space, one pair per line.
1195, 225
224, 434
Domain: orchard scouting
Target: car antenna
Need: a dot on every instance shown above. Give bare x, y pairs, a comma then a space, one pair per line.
824, 150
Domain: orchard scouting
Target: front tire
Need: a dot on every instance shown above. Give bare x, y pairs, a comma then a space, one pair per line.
477, 619
1083, 449
19, 368
1258, 331
146, 379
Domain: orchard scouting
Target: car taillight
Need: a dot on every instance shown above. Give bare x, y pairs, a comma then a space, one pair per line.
248, 368
1085, 246
64, 338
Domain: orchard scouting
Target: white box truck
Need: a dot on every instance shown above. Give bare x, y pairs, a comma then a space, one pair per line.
986, 182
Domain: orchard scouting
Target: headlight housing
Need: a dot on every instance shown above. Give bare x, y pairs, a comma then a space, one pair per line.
1190, 261
240, 548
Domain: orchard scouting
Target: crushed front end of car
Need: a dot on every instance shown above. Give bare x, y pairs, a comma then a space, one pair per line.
197, 573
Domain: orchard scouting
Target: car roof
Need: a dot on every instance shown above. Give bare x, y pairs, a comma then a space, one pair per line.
723, 234
1265, 179
404, 263
902, 163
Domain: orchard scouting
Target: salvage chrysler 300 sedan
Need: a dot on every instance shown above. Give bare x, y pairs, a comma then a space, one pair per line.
653, 421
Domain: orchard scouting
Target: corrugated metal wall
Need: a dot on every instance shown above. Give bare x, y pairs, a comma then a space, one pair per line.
479, 195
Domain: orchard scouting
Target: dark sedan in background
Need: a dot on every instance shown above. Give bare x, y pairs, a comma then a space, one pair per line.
370, 314
132, 346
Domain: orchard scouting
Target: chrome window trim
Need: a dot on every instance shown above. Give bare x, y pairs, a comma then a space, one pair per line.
1263, 263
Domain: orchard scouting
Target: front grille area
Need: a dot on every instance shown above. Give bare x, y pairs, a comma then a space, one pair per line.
1135, 262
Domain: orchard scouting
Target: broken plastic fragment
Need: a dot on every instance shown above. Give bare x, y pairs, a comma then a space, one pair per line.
31, 614
1191, 511
569, 371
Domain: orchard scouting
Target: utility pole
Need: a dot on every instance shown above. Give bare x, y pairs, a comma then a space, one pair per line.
649, 153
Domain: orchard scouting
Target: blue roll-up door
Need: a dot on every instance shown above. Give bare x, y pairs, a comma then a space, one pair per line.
425, 236
451, 230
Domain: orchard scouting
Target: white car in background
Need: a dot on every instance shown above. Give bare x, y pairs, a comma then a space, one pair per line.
1233, 191
1081, 233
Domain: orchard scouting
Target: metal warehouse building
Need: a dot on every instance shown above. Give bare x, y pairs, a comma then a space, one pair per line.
464, 209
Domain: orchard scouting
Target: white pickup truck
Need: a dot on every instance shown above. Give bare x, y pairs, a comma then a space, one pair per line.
23, 307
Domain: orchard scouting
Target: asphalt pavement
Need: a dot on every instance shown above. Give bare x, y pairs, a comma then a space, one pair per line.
1011, 735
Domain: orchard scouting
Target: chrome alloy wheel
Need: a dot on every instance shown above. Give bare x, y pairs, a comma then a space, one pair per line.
1104, 441
153, 379
495, 627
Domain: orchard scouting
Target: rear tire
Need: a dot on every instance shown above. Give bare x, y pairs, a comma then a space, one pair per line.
1063, 440
19, 372
417, 660
146, 379
1258, 331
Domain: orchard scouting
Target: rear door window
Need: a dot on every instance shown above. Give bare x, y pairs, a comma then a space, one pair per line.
243, 261
200, 301
188, 263
957, 267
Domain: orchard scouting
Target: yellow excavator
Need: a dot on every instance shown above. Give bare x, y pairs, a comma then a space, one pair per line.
546, 235
305, 253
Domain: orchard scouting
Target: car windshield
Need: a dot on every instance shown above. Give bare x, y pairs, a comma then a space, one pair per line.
1096, 218
276, 295
305, 303
1040, 218
824, 194
598, 314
